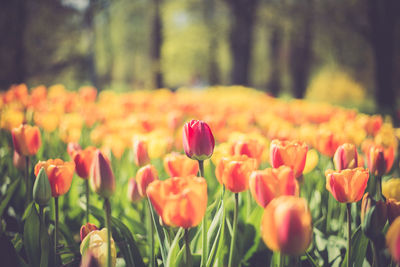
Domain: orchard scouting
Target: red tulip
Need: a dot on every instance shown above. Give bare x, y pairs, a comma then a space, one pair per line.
26, 139
141, 156
380, 160
102, 178
144, 177
198, 140
83, 161
346, 157
86, 229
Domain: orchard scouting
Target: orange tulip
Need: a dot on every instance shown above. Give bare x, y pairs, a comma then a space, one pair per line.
346, 157
234, 172
180, 201
60, 175
327, 142
380, 160
289, 153
176, 164
26, 139
347, 185
286, 225
144, 177
270, 183
251, 148
393, 240
83, 161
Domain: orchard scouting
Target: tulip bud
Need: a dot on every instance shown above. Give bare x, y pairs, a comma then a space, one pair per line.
140, 153
42, 189
26, 139
133, 191
346, 157
19, 161
86, 229
144, 177
102, 178
392, 240
198, 140
376, 161
373, 216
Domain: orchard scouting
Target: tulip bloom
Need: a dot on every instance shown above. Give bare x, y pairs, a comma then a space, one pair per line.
133, 191
102, 178
347, 185
289, 153
141, 156
380, 160
176, 164
270, 183
86, 229
60, 175
26, 139
251, 148
96, 243
346, 157
198, 140
180, 201
393, 240
83, 161
144, 177
286, 225
234, 172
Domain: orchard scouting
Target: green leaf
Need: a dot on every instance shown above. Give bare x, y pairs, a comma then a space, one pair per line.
44, 246
359, 244
255, 220
32, 235
218, 218
123, 239
10, 192
174, 249
161, 238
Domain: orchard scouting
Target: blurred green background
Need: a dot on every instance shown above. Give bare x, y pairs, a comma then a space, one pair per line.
342, 51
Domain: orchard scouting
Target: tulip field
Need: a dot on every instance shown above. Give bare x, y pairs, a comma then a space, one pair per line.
224, 176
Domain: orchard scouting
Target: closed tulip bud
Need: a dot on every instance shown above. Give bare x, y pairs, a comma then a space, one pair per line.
19, 161
270, 183
86, 229
373, 216
348, 185
393, 240
393, 209
180, 201
141, 156
176, 164
144, 177
346, 157
26, 139
83, 161
289, 153
96, 243
42, 189
60, 175
286, 225
234, 172
376, 160
198, 140
102, 178
133, 191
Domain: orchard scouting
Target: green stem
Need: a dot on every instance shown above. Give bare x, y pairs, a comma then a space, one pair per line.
87, 199
107, 208
56, 230
150, 225
281, 262
379, 193
203, 224
27, 182
187, 249
348, 234
235, 222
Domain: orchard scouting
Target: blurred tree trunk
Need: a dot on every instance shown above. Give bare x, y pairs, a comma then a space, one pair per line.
275, 45
156, 45
382, 19
209, 16
301, 41
91, 30
241, 34
20, 68
106, 78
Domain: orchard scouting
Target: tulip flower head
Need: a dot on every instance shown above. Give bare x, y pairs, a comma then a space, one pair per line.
144, 177
60, 175
180, 201
96, 243
270, 183
286, 225
102, 178
198, 140
393, 240
373, 216
141, 156
86, 229
348, 185
346, 157
289, 153
83, 161
176, 164
234, 172
26, 139
42, 189
251, 148
133, 191
380, 160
